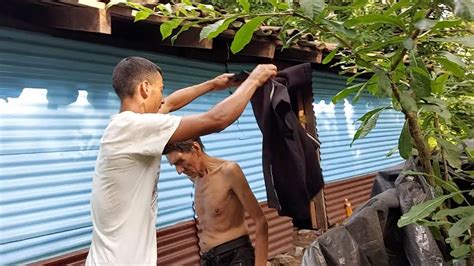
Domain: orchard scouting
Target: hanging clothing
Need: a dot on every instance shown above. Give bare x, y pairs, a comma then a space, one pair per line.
291, 164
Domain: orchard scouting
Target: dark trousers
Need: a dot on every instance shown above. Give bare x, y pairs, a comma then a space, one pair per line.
235, 252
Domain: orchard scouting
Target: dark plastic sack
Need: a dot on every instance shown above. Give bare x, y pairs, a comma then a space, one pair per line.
371, 235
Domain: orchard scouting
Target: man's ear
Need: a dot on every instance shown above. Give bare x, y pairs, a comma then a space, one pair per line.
144, 89
197, 147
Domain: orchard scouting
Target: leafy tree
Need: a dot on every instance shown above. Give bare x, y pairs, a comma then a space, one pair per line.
418, 53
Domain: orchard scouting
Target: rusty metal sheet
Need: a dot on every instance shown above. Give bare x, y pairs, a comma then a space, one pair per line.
280, 230
356, 190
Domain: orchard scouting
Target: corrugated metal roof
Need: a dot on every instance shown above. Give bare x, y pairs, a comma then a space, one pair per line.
178, 244
357, 190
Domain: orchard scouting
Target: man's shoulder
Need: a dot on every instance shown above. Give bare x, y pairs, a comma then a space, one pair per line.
229, 166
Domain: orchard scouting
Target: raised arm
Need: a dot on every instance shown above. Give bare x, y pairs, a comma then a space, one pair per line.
226, 112
182, 97
249, 202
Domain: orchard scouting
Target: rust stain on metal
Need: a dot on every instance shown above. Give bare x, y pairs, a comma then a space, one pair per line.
178, 244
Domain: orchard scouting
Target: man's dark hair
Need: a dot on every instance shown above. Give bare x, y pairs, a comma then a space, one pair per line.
131, 71
182, 146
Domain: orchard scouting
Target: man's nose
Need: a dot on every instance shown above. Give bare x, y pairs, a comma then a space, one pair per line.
179, 169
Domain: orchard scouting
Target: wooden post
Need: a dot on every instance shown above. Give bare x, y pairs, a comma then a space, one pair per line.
308, 121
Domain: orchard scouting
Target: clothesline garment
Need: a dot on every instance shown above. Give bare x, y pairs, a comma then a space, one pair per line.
291, 166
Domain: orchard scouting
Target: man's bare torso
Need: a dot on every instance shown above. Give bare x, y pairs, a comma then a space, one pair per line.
220, 213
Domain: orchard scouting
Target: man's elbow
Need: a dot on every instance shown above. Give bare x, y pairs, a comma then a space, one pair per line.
218, 122
262, 224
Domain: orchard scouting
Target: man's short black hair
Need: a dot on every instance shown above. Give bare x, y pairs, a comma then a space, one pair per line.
182, 146
130, 72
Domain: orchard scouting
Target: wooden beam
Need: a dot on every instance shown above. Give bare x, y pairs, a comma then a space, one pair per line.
299, 55
61, 16
318, 202
259, 49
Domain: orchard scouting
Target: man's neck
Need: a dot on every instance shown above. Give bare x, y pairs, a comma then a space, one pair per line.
209, 164
129, 104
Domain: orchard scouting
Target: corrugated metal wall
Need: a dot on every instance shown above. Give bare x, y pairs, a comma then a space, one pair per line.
178, 244
336, 129
56, 100
356, 190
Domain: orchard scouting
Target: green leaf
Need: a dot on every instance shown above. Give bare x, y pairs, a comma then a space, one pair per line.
330, 56
447, 24
139, 7
384, 83
390, 153
405, 143
422, 210
464, 211
451, 67
114, 2
283, 6
440, 110
141, 15
460, 251
420, 81
205, 7
407, 102
425, 24
167, 28
436, 233
465, 40
185, 27
471, 193
446, 144
452, 152
453, 159
339, 28
437, 86
378, 45
245, 33
245, 5
450, 186
311, 8
374, 18
454, 59
358, 4
369, 121
461, 226
346, 92
409, 44
397, 6
359, 93
372, 85
425, 222
274, 3
213, 30
165, 9
436, 168
351, 79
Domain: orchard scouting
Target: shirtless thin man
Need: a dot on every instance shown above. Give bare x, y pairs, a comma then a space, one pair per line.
222, 195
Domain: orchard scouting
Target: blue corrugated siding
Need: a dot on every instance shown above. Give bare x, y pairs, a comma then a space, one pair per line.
336, 129
55, 102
